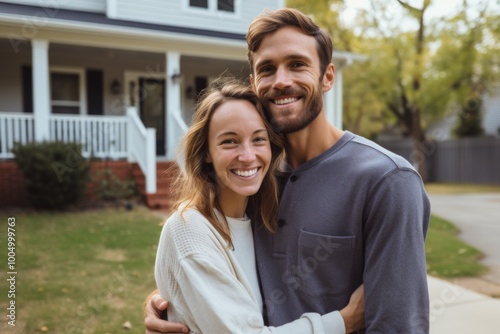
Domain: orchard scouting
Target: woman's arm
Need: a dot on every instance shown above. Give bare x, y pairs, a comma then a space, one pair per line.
212, 300
155, 305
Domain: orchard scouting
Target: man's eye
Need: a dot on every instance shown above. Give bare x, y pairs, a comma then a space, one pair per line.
297, 64
265, 69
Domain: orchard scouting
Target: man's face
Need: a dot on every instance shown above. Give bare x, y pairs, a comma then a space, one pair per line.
286, 77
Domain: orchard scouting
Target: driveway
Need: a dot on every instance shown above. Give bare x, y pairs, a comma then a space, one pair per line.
478, 218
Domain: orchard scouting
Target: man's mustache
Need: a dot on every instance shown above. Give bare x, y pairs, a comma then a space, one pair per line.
278, 93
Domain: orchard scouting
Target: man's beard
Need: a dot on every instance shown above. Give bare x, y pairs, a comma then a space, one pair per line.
312, 110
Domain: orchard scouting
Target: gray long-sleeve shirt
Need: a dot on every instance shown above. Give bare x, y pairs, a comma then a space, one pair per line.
355, 214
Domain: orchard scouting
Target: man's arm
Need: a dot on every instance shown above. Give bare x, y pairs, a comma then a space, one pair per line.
154, 309
396, 222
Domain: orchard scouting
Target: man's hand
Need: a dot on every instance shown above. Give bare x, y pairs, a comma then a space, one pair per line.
155, 308
354, 312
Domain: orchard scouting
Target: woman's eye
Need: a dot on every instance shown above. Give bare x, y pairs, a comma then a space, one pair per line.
260, 139
228, 142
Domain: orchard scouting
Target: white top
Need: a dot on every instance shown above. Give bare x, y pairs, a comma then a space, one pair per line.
242, 237
210, 291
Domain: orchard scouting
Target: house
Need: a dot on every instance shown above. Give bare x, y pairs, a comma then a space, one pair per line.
443, 129
120, 76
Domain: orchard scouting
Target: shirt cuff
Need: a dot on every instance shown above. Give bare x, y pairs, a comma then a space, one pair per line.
333, 323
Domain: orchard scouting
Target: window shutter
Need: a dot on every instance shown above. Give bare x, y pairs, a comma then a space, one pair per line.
27, 82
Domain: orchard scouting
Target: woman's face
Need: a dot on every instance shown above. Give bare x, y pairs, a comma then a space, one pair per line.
239, 149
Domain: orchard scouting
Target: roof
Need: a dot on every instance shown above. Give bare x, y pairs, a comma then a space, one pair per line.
102, 19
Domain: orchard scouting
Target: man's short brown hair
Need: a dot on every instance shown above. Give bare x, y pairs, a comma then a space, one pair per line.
271, 21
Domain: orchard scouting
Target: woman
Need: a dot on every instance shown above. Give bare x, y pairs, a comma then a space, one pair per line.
205, 264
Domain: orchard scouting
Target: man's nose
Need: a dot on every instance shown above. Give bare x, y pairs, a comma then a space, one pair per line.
282, 79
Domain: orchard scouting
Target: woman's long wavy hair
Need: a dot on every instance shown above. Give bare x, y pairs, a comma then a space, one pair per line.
196, 186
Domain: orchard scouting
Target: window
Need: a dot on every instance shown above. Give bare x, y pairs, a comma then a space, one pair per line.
65, 91
225, 5
213, 5
198, 3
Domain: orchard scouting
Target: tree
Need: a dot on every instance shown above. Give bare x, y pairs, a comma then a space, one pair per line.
415, 74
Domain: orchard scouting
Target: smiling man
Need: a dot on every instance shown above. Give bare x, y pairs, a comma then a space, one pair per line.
350, 211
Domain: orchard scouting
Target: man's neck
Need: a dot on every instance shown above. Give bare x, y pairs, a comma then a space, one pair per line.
308, 143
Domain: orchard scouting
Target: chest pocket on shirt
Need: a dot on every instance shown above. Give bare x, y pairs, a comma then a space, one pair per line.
324, 263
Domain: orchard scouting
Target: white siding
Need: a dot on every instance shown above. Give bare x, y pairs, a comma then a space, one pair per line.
177, 13
491, 120
98, 6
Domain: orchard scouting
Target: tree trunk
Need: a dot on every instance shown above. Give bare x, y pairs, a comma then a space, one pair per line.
420, 148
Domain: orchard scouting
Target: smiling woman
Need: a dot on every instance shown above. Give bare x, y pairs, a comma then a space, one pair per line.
239, 152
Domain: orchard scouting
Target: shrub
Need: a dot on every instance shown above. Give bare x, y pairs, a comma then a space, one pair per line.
470, 119
55, 173
111, 188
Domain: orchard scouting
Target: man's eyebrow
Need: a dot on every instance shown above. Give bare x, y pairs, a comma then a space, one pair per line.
289, 58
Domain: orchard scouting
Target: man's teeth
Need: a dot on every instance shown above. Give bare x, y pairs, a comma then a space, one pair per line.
285, 101
246, 173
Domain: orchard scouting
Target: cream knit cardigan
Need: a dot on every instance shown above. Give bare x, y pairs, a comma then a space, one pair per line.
208, 291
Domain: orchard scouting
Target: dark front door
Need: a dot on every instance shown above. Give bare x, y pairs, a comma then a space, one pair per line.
152, 109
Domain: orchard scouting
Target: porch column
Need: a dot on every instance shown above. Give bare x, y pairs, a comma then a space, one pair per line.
173, 105
336, 98
330, 105
41, 88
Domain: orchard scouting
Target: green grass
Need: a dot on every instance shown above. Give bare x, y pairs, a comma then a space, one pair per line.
447, 255
82, 272
89, 272
460, 188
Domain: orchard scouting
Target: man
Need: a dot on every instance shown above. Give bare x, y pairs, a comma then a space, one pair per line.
350, 211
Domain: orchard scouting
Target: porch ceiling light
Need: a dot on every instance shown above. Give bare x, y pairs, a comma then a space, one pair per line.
176, 77
115, 87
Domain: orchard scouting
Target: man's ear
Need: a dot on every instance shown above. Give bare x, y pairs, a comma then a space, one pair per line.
328, 78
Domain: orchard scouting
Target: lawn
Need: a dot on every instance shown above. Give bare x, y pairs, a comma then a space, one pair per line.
88, 272
460, 188
82, 272
448, 256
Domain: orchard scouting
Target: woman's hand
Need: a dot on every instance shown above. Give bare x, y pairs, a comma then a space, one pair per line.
354, 312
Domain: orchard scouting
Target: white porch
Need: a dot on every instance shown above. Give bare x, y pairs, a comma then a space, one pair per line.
119, 133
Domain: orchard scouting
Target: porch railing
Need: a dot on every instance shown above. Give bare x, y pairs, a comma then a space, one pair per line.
111, 137
142, 148
15, 127
100, 136
176, 132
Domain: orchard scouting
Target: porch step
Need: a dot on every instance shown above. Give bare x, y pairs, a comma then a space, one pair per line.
166, 173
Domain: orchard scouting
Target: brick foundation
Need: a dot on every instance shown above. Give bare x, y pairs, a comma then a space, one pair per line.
12, 193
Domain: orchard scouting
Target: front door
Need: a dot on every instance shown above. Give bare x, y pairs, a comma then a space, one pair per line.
152, 108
